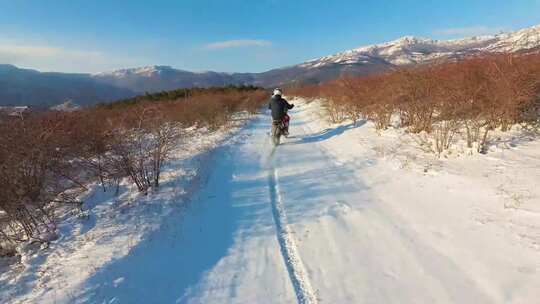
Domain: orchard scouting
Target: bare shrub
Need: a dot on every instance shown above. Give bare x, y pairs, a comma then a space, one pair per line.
35, 172
336, 111
47, 159
478, 94
443, 134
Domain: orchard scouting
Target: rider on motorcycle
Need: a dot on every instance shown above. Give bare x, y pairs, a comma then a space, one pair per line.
279, 107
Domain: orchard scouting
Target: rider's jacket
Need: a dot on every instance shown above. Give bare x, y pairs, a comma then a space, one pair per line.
278, 105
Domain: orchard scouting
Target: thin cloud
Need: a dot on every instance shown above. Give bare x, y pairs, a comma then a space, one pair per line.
52, 58
467, 31
237, 43
10, 52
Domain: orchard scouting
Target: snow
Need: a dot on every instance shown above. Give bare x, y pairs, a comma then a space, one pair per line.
444, 223
410, 50
336, 214
297, 273
67, 106
146, 71
14, 110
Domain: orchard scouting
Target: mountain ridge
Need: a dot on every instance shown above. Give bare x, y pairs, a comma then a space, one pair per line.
30, 87
407, 50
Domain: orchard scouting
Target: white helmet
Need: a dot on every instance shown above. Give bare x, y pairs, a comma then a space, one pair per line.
277, 92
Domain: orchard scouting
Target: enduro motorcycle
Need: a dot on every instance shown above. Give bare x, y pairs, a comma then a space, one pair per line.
279, 128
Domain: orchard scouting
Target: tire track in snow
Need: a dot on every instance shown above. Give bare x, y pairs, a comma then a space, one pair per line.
297, 273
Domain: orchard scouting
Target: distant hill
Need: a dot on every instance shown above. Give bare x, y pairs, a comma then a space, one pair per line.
24, 87
165, 78
28, 87
361, 61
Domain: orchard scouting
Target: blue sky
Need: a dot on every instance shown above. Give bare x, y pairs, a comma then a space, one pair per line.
231, 36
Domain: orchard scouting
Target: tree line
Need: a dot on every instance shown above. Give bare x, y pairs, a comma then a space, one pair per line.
177, 94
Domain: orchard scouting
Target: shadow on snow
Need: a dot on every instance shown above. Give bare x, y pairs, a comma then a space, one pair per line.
325, 134
170, 262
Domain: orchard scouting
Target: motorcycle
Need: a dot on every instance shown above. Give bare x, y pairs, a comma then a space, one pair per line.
279, 128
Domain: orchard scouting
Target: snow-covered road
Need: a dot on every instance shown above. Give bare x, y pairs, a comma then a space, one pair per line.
297, 223
324, 218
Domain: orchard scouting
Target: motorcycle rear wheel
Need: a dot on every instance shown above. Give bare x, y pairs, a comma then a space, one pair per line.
276, 134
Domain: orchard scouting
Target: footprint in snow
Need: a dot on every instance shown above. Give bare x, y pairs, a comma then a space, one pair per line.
338, 209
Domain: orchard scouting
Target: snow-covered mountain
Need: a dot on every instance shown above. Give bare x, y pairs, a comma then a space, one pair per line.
147, 71
161, 78
412, 50
360, 61
67, 106
27, 87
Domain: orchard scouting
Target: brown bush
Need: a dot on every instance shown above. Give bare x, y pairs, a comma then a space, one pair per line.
36, 170
478, 94
50, 157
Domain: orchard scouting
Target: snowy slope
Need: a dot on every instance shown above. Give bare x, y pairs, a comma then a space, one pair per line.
337, 214
161, 78
147, 71
524, 39
413, 50
67, 106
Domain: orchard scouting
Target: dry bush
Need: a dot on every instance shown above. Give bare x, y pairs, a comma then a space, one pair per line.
309, 91
444, 133
416, 99
378, 100
36, 170
140, 151
340, 96
478, 95
336, 111
47, 159
337, 105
